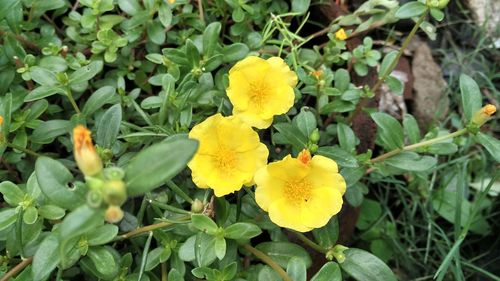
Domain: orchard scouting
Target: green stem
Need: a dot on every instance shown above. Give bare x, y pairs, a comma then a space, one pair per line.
419, 144
145, 253
144, 229
20, 148
309, 242
175, 188
168, 207
73, 103
265, 258
405, 44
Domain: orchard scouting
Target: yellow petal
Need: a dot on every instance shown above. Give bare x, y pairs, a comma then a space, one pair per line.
288, 168
207, 145
236, 135
286, 215
324, 173
323, 204
280, 66
268, 190
253, 119
239, 90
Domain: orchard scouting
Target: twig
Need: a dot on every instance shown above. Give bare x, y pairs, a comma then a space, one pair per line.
21, 40
200, 9
16, 269
265, 258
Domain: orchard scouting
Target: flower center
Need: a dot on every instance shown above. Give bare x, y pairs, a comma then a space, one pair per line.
259, 93
224, 159
298, 191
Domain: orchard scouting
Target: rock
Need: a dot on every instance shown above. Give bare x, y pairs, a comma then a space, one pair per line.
430, 102
487, 11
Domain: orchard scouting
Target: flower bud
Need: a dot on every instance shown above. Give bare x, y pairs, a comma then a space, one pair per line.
314, 137
115, 192
86, 157
341, 35
440, 4
1, 120
113, 214
304, 156
94, 199
197, 206
337, 252
483, 115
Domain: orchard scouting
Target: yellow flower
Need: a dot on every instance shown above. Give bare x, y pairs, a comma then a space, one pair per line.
171, 1
260, 89
341, 35
86, 156
484, 114
1, 120
229, 154
300, 193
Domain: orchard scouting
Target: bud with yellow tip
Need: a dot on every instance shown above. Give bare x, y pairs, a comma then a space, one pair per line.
1, 120
113, 214
341, 35
483, 115
86, 157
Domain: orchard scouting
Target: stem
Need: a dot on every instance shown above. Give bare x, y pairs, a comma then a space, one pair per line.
145, 254
168, 207
265, 258
16, 269
73, 103
175, 188
418, 144
20, 148
309, 242
200, 9
144, 229
394, 63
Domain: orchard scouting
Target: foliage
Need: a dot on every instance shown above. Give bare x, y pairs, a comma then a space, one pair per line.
122, 204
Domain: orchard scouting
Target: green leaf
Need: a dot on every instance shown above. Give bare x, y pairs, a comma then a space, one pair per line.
242, 231
292, 135
362, 266
305, 121
437, 14
390, 131
158, 163
491, 144
51, 212
47, 131
342, 79
102, 235
175, 275
6, 7
296, 269
300, 6
410, 9
12, 194
211, 38
342, 157
220, 247
471, 96
165, 15
43, 76
53, 179
30, 215
153, 258
82, 220
46, 258
204, 249
235, 52
346, 136
445, 204
109, 126
411, 128
130, 7
85, 73
104, 95
443, 148
156, 32
43, 92
411, 161
103, 260
282, 252
186, 251
396, 86
7, 217
386, 62
330, 271
327, 235
267, 274
204, 224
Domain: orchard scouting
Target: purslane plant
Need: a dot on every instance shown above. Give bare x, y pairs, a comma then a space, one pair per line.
161, 140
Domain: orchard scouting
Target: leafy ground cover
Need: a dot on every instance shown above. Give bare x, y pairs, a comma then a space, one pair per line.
247, 140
